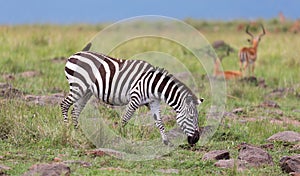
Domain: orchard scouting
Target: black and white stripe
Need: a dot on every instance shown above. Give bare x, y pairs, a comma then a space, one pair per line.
128, 82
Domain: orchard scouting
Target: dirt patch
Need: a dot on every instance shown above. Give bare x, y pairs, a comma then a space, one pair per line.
52, 99
281, 121
49, 169
61, 59
280, 92
7, 91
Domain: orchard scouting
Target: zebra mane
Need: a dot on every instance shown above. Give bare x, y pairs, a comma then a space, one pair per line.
166, 73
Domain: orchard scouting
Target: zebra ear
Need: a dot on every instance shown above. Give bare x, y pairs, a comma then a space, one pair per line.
200, 101
87, 47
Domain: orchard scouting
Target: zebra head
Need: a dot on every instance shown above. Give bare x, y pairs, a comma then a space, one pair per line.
187, 118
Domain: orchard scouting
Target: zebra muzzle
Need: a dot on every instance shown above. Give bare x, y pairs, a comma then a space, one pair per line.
194, 139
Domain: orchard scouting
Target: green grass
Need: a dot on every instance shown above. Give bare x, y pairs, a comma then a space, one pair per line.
31, 134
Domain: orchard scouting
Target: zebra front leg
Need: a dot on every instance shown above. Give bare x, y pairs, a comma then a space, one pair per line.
132, 106
155, 110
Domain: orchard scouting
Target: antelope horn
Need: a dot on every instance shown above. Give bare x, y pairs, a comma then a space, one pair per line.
247, 31
264, 32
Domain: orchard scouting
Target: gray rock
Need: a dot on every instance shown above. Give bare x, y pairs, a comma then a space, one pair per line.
255, 156
55, 169
216, 155
285, 136
290, 163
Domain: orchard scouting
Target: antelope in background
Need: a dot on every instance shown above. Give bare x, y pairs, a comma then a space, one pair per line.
228, 74
248, 55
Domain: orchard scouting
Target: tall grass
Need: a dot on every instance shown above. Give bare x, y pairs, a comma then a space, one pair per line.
39, 131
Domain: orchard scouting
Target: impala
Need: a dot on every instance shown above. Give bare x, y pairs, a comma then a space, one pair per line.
228, 74
248, 55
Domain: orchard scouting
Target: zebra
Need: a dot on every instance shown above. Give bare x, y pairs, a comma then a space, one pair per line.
133, 83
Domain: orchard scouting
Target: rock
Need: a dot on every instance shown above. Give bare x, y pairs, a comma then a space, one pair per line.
49, 170
262, 83
231, 163
8, 77
250, 79
56, 159
296, 110
169, 171
237, 110
285, 136
96, 152
290, 163
296, 148
255, 156
230, 115
280, 92
275, 112
3, 169
105, 151
216, 155
269, 104
294, 173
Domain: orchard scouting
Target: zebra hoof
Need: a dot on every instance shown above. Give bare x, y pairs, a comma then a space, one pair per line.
168, 143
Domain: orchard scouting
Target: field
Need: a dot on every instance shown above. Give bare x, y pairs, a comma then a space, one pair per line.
32, 133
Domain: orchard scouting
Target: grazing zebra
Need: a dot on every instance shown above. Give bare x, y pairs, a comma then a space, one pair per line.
129, 82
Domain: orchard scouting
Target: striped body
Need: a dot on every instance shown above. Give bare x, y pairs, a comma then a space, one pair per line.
108, 78
129, 82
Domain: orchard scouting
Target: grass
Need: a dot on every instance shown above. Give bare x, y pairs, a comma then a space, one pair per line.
31, 134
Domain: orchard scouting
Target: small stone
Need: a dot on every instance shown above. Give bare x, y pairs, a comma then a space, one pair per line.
294, 173
56, 159
269, 104
238, 110
285, 136
216, 155
4, 168
105, 151
296, 110
296, 148
290, 163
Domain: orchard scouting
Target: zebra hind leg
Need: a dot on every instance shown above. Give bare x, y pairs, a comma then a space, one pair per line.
155, 110
78, 107
65, 106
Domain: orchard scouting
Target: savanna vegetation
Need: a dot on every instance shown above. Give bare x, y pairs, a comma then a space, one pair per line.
33, 133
